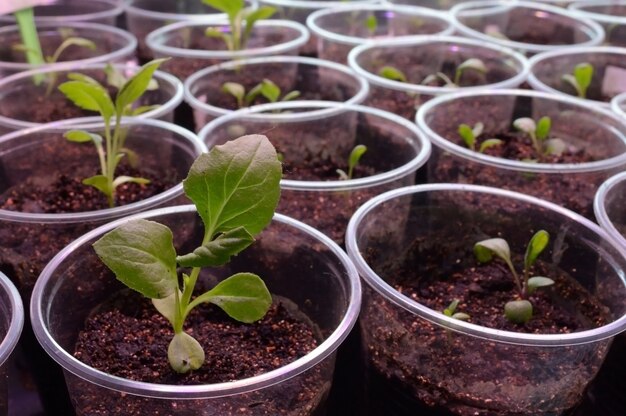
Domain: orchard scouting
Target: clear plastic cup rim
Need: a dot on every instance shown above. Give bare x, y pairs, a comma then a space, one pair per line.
70, 363
515, 165
108, 213
599, 207
16, 322
415, 11
312, 5
128, 50
190, 97
418, 41
153, 40
537, 84
616, 105
160, 76
133, 10
116, 9
329, 108
578, 7
388, 292
593, 29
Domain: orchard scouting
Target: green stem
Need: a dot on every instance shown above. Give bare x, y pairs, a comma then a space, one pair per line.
110, 160
178, 317
457, 76
515, 276
26, 22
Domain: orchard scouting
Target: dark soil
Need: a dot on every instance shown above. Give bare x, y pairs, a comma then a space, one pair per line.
415, 364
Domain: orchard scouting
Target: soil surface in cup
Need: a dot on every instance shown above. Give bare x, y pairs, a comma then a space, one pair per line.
434, 279
127, 337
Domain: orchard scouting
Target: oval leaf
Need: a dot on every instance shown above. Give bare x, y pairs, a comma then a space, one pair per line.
536, 245
525, 124
89, 96
489, 143
219, 251
392, 73
473, 63
270, 91
518, 311
82, 136
142, 256
242, 296
483, 250
543, 127
100, 182
538, 281
468, 136
236, 185
185, 353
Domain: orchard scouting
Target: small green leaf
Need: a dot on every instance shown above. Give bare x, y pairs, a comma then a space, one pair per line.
473, 63
371, 23
292, 95
555, 147
115, 78
81, 42
478, 129
142, 256
236, 185
100, 182
392, 73
526, 125
136, 86
167, 306
343, 176
129, 179
253, 93
89, 96
489, 143
518, 311
243, 296
449, 311
230, 7
75, 76
263, 12
484, 250
81, 136
538, 281
583, 73
185, 353
143, 109
212, 32
270, 91
236, 90
468, 136
355, 157
218, 251
131, 155
461, 316
543, 127
536, 245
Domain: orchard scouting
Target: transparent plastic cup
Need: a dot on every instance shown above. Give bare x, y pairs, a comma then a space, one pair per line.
113, 46
268, 38
105, 12
419, 58
144, 16
611, 14
419, 359
529, 27
315, 79
299, 10
587, 129
11, 323
610, 209
618, 105
609, 64
315, 139
340, 29
431, 4
19, 95
296, 262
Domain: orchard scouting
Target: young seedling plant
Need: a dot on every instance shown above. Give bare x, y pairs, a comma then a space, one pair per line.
473, 64
353, 161
580, 79
538, 132
89, 94
452, 313
520, 310
471, 134
235, 188
241, 21
266, 88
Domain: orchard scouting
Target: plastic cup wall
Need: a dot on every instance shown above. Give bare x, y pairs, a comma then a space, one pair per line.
104, 12
610, 14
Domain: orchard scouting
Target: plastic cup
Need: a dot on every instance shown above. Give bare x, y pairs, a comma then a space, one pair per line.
11, 325
105, 12
611, 14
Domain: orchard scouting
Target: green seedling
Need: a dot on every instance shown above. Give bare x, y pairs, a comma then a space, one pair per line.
241, 20
30, 39
473, 64
353, 160
519, 310
89, 94
393, 74
580, 79
539, 132
117, 79
266, 88
451, 311
235, 188
371, 23
471, 134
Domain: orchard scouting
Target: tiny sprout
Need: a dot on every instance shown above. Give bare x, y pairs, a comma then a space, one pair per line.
539, 133
235, 187
371, 23
451, 311
519, 310
393, 74
580, 79
353, 161
470, 64
265, 88
469, 136
241, 19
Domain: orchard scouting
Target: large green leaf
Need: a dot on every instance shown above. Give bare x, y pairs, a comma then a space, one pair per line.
236, 185
142, 256
219, 251
136, 85
89, 96
230, 7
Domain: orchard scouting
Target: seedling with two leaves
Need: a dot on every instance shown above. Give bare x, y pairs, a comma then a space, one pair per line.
520, 310
266, 88
353, 161
538, 132
473, 64
241, 21
89, 94
452, 313
235, 188
580, 79
471, 134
